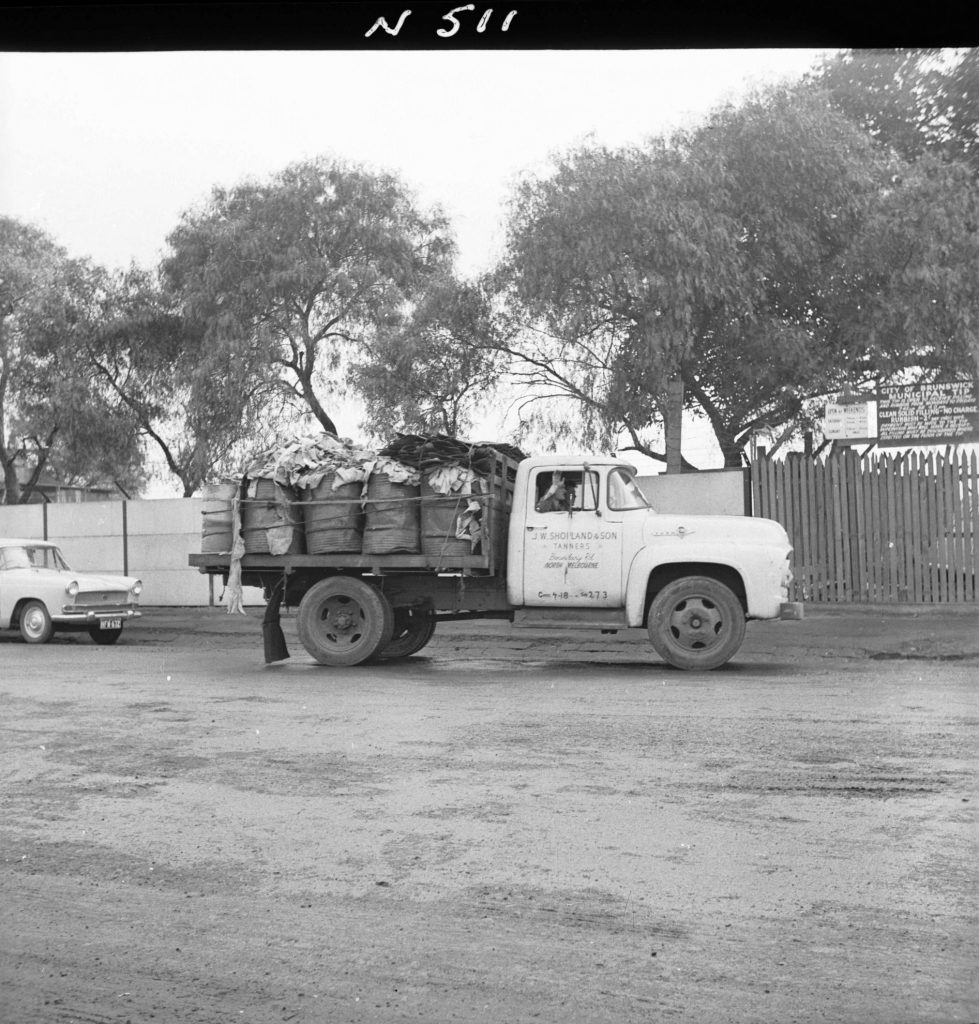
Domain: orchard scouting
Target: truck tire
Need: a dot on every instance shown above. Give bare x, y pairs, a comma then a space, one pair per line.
696, 623
343, 621
105, 636
413, 628
35, 623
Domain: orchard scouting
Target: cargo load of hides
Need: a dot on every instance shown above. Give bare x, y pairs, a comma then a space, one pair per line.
321, 494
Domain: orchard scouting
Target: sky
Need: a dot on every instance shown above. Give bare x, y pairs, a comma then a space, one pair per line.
105, 151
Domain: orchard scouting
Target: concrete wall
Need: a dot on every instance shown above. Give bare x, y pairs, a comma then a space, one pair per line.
716, 492
147, 539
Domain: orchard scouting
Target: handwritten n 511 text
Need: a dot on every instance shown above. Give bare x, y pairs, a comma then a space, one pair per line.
446, 31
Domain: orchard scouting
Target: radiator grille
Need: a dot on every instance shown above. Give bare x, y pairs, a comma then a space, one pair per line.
101, 599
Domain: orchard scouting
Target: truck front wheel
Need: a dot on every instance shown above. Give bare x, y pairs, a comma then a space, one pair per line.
343, 621
696, 623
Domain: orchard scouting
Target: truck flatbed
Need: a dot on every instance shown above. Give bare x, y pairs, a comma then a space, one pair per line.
376, 564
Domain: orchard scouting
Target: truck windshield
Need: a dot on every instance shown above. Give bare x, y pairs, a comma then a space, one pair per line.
623, 492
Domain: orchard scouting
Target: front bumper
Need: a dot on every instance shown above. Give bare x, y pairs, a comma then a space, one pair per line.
791, 610
95, 615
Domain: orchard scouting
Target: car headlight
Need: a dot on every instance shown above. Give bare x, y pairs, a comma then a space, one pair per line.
72, 589
137, 588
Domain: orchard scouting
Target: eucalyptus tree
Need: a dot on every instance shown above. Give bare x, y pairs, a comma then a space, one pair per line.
747, 256
195, 405
53, 415
923, 104
292, 275
800, 181
609, 260
908, 303
434, 369
914, 100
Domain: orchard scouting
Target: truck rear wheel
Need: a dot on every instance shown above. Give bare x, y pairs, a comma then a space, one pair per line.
696, 623
343, 621
413, 628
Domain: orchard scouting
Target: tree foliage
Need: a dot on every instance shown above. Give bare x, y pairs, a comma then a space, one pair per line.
909, 294
920, 247
913, 100
704, 254
767, 256
608, 261
193, 402
431, 371
288, 276
799, 181
53, 415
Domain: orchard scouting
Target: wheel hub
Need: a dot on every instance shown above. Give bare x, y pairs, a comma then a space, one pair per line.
696, 623
342, 622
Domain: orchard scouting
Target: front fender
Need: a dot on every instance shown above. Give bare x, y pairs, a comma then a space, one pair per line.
11, 610
757, 566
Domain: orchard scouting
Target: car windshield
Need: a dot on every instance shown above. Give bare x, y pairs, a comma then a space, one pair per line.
623, 491
17, 556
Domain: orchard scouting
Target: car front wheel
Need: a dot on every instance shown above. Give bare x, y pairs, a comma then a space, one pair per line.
35, 623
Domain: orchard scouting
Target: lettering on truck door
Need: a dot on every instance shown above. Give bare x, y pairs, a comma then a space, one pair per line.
572, 554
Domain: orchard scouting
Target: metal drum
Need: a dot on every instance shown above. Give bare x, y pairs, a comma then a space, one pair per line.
439, 519
216, 517
270, 520
392, 522
333, 516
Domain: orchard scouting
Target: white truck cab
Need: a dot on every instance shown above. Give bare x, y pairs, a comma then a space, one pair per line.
586, 548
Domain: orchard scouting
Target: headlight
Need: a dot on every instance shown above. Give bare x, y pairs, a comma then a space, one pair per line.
72, 589
137, 588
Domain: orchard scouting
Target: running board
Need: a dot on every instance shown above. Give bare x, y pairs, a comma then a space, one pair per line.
571, 618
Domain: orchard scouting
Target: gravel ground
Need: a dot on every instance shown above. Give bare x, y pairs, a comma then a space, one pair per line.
511, 826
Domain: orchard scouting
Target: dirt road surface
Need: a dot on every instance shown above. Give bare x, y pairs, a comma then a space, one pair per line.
506, 828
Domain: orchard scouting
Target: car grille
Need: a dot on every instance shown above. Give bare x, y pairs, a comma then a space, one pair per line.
101, 599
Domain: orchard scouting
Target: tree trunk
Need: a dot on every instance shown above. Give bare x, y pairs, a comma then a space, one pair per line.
11, 493
314, 405
673, 424
43, 451
733, 458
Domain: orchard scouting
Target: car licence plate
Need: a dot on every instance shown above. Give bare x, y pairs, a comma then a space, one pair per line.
110, 623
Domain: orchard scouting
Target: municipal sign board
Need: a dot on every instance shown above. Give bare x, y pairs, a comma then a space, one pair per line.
944, 413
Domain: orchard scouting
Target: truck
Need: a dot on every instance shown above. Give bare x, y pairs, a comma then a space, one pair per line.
564, 542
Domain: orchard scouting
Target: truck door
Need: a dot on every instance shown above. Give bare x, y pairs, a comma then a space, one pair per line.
572, 553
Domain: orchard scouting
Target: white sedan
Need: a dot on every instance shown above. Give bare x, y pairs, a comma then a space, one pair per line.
40, 594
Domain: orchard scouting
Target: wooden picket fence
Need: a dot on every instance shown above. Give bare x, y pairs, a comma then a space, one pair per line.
876, 528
